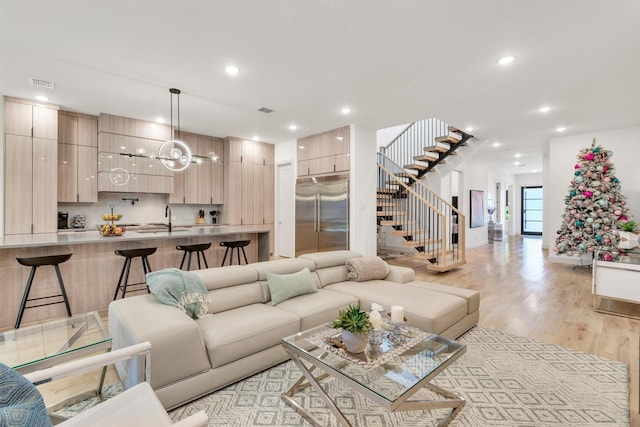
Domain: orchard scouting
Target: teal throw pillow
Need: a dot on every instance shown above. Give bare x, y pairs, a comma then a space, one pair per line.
285, 286
180, 289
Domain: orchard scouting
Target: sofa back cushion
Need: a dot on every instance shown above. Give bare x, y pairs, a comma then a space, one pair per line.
330, 265
231, 287
330, 258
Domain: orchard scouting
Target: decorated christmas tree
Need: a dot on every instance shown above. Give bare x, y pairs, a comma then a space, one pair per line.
595, 207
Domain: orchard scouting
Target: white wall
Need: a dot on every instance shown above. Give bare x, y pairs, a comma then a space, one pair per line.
362, 189
386, 135
2, 168
562, 158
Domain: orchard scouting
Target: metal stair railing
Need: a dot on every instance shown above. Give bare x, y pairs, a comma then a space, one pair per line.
432, 225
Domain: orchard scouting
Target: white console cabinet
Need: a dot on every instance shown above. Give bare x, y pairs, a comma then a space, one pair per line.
616, 284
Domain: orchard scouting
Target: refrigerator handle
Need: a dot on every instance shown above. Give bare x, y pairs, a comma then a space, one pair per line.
316, 214
318, 210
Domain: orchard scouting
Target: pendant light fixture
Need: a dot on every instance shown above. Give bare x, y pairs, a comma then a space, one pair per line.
174, 154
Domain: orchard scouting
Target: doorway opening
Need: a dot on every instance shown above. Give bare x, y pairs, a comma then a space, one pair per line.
531, 215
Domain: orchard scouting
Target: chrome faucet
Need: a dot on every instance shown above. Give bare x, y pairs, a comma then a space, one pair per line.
167, 214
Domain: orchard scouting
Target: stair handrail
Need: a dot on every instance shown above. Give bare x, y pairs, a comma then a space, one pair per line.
409, 126
423, 185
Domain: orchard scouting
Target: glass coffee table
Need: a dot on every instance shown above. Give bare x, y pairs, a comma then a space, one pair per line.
389, 373
36, 347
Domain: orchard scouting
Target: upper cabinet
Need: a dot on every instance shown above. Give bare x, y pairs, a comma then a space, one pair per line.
127, 151
31, 133
249, 182
77, 157
202, 183
324, 153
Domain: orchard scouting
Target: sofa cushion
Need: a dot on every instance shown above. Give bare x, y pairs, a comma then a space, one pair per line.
329, 275
234, 334
330, 258
366, 268
20, 401
472, 297
285, 286
318, 308
428, 310
280, 266
223, 277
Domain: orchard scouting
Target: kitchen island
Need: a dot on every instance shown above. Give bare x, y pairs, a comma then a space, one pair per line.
90, 276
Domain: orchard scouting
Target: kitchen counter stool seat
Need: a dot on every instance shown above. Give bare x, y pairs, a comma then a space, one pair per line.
198, 249
34, 263
130, 254
237, 245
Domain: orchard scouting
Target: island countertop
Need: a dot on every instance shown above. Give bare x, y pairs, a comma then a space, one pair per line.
92, 236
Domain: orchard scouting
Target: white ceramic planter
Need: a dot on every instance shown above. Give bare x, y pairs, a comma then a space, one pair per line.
355, 343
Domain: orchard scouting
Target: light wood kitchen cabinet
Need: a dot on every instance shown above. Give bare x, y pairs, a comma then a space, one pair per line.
324, 153
127, 150
30, 167
202, 182
77, 158
248, 183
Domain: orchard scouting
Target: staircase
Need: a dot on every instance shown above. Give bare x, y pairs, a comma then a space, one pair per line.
427, 223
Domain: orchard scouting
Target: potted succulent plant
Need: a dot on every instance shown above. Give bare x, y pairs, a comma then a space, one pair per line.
627, 230
355, 327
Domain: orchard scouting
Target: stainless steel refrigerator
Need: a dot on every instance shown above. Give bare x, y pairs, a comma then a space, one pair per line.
322, 215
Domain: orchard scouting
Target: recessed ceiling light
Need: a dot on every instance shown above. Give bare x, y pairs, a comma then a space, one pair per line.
256, 138
293, 127
506, 60
42, 98
534, 171
496, 144
516, 163
545, 109
231, 70
517, 155
468, 129
561, 129
345, 110
159, 120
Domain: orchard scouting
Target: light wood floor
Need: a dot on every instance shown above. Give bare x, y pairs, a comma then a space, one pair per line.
524, 294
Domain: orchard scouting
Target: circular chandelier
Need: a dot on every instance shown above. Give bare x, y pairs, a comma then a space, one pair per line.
174, 154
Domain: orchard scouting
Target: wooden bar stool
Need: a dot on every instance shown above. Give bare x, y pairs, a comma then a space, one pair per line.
198, 249
130, 254
237, 245
34, 263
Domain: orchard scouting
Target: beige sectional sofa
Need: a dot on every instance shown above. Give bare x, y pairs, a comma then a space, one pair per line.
191, 358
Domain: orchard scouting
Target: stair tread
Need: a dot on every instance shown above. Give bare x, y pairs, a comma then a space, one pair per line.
386, 190
447, 138
391, 213
454, 129
383, 204
408, 232
440, 147
419, 243
426, 157
415, 166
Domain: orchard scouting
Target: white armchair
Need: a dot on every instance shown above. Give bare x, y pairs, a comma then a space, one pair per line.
137, 406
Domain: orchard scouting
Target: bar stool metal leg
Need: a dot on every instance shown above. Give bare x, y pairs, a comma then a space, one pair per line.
183, 258
25, 296
62, 289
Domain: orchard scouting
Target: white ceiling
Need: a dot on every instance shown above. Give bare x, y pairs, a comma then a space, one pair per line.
391, 62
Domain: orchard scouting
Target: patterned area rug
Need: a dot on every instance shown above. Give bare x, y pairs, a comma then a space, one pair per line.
506, 380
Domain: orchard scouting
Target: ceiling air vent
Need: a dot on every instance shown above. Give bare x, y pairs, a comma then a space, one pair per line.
42, 83
265, 110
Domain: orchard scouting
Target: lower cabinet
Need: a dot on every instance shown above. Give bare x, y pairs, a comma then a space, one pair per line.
614, 286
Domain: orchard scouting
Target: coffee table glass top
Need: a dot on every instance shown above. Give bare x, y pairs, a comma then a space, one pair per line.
36, 347
404, 359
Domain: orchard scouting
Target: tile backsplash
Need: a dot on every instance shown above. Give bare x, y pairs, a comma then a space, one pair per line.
150, 208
